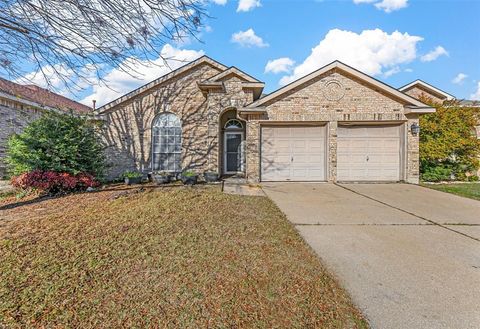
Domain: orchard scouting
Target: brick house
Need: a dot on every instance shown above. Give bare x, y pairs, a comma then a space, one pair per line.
21, 104
335, 124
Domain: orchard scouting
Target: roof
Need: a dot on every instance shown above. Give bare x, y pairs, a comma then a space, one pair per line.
248, 82
37, 96
232, 70
414, 103
429, 87
469, 103
202, 60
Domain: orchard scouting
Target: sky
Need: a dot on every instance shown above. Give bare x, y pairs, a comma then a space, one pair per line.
279, 41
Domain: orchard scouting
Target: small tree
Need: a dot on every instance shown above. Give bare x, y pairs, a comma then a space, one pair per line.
56, 142
448, 143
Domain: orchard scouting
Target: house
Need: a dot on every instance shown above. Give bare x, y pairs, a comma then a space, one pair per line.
21, 104
420, 89
335, 124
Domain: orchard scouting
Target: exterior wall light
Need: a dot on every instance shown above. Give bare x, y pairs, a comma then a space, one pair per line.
415, 129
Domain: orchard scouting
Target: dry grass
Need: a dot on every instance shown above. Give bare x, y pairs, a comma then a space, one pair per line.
169, 257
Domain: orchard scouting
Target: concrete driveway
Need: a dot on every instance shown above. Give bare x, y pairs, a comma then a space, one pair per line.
409, 256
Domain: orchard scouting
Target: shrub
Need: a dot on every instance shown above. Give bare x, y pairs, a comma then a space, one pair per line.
53, 182
61, 143
131, 174
448, 142
189, 173
437, 174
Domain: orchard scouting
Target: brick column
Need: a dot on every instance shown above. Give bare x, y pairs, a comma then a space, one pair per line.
332, 151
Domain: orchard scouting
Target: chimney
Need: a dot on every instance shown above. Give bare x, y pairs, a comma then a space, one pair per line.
93, 105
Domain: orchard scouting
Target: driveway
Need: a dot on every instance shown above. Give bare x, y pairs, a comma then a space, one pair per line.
409, 256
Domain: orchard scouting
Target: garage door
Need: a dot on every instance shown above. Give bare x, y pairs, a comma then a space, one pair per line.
293, 153
368, 153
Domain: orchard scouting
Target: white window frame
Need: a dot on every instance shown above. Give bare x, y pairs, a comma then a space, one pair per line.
157, 127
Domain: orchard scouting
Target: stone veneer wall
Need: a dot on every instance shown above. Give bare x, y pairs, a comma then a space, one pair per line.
127, 127
331, 98
14, 117
418, 93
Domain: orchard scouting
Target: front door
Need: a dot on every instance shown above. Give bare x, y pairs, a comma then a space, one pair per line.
233, 155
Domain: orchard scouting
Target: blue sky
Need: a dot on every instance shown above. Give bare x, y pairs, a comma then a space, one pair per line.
396, 41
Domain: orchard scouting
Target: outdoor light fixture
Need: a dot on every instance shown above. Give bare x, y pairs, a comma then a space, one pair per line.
415, 129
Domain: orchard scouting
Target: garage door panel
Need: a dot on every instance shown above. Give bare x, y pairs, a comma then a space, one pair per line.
293, 153
368, 153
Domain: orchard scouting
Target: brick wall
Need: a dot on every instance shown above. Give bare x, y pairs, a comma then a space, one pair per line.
127, 127
14, 117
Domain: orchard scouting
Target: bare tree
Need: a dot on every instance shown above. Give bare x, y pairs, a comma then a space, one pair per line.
74, 40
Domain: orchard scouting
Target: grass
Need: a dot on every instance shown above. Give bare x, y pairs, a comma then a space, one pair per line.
469, 190
167, 257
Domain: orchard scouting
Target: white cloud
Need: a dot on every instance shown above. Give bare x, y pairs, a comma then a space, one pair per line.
434, 54
391, 5
386, 5
278, 65
248, 38
119, 82
392, 71
60, 79
219, 2
459, 78
371, 51
408, 70
247, 5
476, 96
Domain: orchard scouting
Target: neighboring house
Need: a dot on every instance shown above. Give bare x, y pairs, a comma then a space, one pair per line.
420, 89
21, 104
335, 124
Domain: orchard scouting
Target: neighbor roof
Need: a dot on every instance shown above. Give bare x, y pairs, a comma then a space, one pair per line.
202, 60
429, 87
422, 108
40, 97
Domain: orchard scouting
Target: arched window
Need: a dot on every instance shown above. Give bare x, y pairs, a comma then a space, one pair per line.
233, 124
167, 143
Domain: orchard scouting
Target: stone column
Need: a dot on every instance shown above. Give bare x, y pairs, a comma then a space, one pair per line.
332, 151
252, 151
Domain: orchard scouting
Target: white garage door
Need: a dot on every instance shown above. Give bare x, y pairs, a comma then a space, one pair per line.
368, 153
293, 153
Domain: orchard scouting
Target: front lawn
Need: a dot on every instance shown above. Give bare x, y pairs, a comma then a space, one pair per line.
469, 190
161, 257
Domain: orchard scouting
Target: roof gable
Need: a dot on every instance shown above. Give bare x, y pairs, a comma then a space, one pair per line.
423, 85
202, 60
347, 69
232, 71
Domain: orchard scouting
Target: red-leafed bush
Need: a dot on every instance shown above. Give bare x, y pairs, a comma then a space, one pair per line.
52, 182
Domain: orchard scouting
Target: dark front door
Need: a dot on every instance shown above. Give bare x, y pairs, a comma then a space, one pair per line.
233, 152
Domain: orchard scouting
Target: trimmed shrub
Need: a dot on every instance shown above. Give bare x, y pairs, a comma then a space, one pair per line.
51, 182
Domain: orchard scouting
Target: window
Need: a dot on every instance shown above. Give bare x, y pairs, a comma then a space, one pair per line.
233, 124
167, 143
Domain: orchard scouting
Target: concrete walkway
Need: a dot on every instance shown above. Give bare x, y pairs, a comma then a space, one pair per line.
239, 186
409, 256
